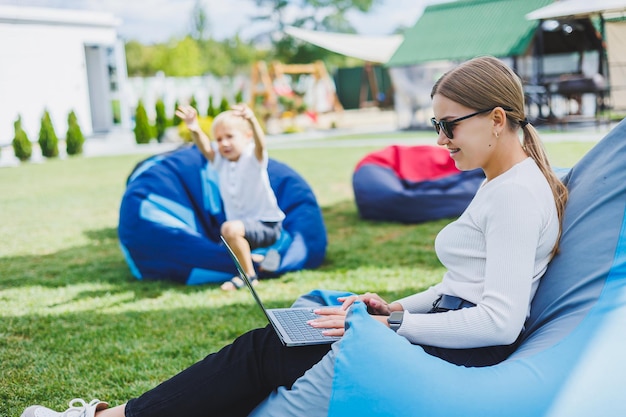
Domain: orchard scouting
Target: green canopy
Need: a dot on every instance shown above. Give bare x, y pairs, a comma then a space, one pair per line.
465, 29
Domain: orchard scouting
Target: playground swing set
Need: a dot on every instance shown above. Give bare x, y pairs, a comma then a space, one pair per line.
272, 88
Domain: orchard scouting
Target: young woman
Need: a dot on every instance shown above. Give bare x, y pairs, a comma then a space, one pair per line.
495, 255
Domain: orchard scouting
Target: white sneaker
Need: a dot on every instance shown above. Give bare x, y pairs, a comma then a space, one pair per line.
78, 408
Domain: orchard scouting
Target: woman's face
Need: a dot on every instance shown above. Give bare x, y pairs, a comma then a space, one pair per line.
473, 142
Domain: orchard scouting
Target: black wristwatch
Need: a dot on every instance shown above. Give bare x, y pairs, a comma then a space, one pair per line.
395, 320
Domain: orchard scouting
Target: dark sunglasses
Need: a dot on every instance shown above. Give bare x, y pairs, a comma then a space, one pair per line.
447, 126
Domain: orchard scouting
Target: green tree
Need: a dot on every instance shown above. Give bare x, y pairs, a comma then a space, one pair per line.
191, 57
22, 148
198, 54
159, 57
215, 59
182, 58
137, 62
145, 60
327, 15
160, 120
74, 139
143, 131
229, 57
48, 141
200, 22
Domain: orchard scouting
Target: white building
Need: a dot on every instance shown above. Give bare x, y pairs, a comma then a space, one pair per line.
61, 60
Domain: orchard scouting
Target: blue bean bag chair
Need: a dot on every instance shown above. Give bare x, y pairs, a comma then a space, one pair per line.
171, 212
572, 361
412, 184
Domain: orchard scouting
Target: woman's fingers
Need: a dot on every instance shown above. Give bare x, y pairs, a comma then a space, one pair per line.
375, 304
348, 301
334, 332
329, 318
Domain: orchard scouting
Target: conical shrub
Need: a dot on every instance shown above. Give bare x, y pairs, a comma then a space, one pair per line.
74, 139
194, 103
224, 105
48, 141
142, 129
161, 119
22, 148
211, 110
176, 120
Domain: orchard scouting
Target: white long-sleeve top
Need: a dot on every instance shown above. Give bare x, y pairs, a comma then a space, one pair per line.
495, 253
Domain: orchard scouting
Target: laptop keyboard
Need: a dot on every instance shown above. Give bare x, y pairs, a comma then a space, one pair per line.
294, 322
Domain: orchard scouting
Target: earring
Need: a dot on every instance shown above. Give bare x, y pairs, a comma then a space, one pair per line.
497, 135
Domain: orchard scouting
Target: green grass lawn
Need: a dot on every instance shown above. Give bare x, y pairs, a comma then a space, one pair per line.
75, 323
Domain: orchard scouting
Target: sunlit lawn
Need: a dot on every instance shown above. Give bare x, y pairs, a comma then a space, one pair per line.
75, 323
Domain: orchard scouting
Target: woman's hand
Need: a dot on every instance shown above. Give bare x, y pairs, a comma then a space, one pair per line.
375, 304
333, 319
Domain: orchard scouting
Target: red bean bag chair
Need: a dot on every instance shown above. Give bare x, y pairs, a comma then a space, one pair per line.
412, 184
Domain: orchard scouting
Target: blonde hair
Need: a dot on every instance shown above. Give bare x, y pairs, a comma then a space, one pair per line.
229, 118
485, 83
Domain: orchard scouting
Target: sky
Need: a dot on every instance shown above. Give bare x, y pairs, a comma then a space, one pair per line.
152, 21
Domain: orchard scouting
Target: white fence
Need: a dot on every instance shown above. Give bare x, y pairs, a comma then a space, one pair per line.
172, 89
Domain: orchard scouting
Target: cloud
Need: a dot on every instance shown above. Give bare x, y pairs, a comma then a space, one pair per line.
151, 21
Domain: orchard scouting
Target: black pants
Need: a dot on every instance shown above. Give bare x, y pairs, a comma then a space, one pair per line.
236, 379
230, 382
474, 357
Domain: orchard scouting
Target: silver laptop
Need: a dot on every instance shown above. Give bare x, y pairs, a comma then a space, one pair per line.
289, 323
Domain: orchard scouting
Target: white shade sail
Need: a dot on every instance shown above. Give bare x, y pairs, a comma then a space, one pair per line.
577, 8
377, 49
